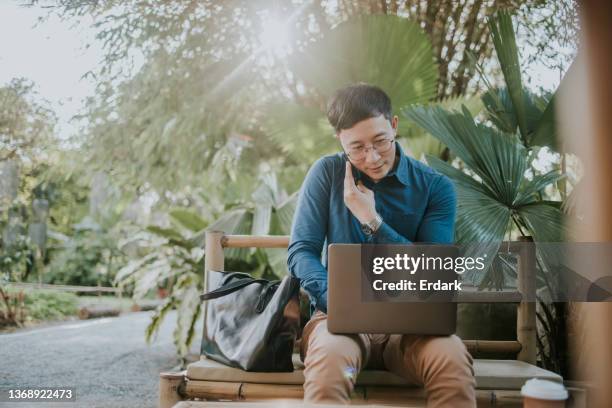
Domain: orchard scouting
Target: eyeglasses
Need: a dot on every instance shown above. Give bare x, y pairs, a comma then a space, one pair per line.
381, 146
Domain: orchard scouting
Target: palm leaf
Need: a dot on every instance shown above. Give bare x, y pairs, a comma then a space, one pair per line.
544, 220
303, 133
237, 221
530, 189
417, 143
388, 51
168, 233
504, 41
500, 110
461, 180
421, 146
187, 313
545, 133
188, 219
150, 275
474, 201
493, 156
283, 215
262, 216
481, 238
127, 273
264, 198
172, 235
158, 317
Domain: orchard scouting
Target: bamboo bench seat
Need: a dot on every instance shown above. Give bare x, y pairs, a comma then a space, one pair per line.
490, 374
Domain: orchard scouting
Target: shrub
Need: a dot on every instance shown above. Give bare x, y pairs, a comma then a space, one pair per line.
44, 305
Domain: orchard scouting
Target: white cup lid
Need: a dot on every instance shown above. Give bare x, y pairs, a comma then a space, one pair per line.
544, 389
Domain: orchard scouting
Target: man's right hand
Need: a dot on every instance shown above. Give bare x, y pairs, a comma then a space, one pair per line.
358, 198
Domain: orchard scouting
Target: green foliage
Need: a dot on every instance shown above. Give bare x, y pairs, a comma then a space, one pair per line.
28, 147
41, 305
89, 257
170, 258
25, 124
45, 305
26, 136
497, 187
497, 191
270, 212
302, 133
454, 29
387, 51
206, 107
504, 40
171, 121
514, 106
16, 256
418, 143
188, 220
66, 190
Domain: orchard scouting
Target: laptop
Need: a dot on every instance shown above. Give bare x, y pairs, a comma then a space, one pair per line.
349, 311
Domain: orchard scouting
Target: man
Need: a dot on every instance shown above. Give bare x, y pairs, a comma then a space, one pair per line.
373, 193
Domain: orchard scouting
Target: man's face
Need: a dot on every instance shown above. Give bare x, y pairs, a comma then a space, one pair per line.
365, 135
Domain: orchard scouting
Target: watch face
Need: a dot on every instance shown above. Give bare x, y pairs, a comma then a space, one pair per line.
366, 229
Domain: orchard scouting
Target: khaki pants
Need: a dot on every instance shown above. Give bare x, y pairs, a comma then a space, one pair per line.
441, 364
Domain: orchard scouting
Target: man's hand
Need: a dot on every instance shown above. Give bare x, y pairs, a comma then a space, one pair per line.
358, 198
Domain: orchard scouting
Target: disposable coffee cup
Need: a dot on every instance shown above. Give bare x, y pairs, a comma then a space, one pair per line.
543, 394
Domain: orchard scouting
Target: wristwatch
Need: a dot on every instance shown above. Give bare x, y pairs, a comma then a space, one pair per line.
370, 228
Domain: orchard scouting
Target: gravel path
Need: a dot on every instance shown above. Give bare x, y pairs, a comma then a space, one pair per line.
106, 360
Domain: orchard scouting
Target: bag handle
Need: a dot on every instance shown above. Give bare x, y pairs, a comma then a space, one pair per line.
233, 275
230, 288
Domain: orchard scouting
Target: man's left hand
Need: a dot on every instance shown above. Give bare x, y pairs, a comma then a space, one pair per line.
358, 198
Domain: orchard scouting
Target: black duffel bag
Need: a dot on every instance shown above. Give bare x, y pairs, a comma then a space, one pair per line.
250, 323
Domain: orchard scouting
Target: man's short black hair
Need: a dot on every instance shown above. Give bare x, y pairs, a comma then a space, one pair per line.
349, 106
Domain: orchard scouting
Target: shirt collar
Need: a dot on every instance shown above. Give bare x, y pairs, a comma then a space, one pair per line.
400, 170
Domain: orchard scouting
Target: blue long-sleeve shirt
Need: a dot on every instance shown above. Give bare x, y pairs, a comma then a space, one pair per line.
416, 203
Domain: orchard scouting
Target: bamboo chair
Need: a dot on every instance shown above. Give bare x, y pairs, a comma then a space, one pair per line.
498, 381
